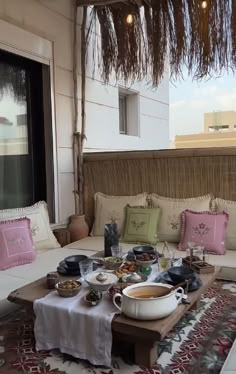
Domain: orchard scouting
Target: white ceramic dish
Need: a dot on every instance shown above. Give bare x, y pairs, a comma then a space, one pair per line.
148, 308
93, 282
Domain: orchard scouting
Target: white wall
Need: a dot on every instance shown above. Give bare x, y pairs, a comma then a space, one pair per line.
53, 21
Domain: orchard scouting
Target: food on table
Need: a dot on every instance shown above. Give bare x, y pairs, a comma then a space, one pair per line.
132, 277
93, 295
113, 263
117, 288
146, 257
69, 285
127, 267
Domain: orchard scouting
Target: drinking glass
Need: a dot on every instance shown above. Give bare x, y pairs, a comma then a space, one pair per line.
86, 267
116, 250
164, 263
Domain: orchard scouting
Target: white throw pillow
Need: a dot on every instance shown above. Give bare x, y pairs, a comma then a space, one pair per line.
229, 207
42, 234
170, 224
112, 209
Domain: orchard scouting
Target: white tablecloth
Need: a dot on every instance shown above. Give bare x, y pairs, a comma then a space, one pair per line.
75, 328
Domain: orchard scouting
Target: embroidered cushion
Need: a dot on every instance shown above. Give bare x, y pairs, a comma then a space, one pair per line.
170, 224
16, 245
111, 209
142, 225
206, 229
230, 208
42, 234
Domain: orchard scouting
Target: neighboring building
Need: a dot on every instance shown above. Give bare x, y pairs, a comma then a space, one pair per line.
220, 121
219, 131
117, 118
217, 139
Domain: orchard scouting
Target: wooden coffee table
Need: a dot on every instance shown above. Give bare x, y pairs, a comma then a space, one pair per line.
143, 336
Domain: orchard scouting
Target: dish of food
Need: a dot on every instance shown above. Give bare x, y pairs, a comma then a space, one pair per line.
145, 260
68, 288
127, 267
117, 288
113, 263
134, 278
143, 249
93, 297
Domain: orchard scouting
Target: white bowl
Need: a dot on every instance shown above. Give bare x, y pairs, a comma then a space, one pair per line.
92, 281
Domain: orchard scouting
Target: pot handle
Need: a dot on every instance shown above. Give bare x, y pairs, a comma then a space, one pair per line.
114, 300
179, 293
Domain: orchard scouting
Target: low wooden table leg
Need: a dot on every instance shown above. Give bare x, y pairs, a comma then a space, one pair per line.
196, 305
145, 354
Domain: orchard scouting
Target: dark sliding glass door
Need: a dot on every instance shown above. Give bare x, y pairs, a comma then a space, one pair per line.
24, 116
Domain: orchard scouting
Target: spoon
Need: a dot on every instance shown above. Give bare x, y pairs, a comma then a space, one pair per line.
168, 290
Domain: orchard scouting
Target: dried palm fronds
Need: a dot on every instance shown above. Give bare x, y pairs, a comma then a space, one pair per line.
164, 34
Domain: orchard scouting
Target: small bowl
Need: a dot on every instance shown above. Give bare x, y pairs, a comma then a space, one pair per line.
93, 302
144, 263
180, 274
73, 261
67, 292
117, 288
143, 249
112, 263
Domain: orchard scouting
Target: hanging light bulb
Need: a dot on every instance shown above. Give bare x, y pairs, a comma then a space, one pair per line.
129, 19
204, 4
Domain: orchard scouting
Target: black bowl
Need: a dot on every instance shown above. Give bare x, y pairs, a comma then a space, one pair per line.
180, 274
73, 261
139, 250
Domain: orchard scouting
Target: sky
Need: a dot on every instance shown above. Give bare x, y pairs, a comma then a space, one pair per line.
189, 100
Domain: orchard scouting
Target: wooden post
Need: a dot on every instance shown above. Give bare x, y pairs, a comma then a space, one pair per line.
75, 124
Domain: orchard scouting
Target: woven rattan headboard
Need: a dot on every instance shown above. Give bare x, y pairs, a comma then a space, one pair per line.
172, 173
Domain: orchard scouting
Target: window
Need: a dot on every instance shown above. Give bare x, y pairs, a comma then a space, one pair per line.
218, 128
128, 112
123, 114
26, 174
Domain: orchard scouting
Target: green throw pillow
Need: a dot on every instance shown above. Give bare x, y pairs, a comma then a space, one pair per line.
142, 225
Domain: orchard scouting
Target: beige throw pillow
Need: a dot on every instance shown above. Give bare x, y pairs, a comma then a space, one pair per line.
42, 234
229, 207
112, 209
170, 224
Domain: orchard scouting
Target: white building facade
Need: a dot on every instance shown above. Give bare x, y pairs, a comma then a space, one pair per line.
117, 117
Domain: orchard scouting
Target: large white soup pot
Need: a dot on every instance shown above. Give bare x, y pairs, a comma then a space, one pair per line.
148, 308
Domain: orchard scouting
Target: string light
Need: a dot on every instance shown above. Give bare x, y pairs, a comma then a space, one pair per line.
204, 4
129, 19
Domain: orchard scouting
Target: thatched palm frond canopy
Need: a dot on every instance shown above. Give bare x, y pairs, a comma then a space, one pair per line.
200, 35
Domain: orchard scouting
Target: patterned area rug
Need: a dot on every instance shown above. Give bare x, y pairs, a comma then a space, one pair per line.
199, 344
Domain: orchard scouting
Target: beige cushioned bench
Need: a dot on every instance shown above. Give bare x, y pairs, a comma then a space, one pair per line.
48, 260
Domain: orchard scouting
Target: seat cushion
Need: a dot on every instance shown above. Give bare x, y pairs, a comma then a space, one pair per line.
96, 244
45, 262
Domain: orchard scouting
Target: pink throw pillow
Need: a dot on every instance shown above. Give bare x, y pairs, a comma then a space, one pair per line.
16, 245
205, 229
